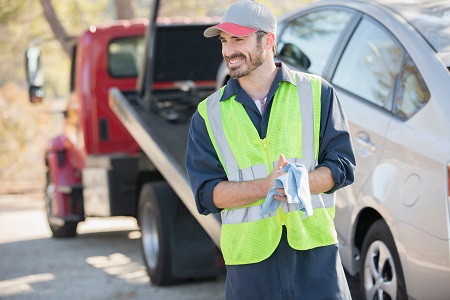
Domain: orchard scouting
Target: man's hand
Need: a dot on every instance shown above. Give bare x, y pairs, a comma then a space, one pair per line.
276, 172
229, 194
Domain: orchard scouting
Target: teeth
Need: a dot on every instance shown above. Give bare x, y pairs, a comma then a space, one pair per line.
233, 61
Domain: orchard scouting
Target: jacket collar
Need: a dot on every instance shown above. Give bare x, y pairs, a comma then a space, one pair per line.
233, 88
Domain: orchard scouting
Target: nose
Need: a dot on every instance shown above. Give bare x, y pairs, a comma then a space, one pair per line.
227, 49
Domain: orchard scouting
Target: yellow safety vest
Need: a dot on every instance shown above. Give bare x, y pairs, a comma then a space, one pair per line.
293, 130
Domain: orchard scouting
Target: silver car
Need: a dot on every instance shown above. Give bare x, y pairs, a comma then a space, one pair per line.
389, 62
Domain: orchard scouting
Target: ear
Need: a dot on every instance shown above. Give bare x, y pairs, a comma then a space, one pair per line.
270, 40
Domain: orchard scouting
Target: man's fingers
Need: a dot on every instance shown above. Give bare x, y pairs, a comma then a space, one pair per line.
280, 198
281, 192
282, 161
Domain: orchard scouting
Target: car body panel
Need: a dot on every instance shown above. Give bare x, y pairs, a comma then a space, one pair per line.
402, 162
400, 186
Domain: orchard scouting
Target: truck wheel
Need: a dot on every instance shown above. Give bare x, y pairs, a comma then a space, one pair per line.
381, 274
60, 228
157, 204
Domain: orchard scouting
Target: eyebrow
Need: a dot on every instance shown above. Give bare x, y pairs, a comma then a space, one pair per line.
232, 37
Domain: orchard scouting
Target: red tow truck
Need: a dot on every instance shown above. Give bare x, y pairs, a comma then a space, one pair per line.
99, 167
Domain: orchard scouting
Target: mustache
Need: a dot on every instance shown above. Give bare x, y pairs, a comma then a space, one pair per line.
234, 56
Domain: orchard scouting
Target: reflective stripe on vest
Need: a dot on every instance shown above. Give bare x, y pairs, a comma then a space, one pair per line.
245, 221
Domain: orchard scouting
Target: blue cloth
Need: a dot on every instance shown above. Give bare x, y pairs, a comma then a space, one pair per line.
296, 186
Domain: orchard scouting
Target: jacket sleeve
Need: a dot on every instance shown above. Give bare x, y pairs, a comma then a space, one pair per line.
202, 165
336, 148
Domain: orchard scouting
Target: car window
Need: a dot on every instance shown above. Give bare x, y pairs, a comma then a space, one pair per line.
370, 65
123, 56
308, 40
412, 93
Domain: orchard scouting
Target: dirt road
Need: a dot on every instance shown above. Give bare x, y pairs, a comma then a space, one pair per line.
103, 262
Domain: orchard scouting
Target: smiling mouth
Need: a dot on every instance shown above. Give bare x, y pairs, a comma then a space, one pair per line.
234, 59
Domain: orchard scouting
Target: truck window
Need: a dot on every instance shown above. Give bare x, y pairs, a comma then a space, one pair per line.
124, 55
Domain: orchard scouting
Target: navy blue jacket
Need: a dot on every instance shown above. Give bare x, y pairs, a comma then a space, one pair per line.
335, 152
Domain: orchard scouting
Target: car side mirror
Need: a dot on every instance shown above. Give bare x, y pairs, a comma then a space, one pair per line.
35, 76
295, 56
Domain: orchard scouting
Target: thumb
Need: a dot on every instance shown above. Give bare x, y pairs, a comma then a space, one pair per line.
282, 161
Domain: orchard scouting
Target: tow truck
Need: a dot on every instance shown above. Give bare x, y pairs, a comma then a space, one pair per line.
134, 87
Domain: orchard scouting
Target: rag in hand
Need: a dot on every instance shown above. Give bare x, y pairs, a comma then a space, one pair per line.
296, 186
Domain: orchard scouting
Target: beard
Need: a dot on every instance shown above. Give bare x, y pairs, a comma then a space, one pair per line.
252, 62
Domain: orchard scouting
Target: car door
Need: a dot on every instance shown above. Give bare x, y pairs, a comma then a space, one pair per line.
365, 80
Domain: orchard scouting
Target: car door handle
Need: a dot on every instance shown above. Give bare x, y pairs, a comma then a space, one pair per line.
363, 140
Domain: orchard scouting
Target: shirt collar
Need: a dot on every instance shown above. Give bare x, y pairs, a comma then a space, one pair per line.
283, 74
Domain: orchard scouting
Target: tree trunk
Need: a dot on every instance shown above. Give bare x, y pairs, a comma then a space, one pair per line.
56, 26
124, 9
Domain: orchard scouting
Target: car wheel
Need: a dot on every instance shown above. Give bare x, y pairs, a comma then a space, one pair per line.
157, 204
59, 228
381, 274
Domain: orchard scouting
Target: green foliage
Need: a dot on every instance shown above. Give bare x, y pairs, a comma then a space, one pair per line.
210, 8
10, 9
13, 38
77, 15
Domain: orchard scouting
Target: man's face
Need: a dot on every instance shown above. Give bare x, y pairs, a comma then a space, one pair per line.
242, 55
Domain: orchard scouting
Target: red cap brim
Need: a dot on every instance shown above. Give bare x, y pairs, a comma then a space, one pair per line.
230, 28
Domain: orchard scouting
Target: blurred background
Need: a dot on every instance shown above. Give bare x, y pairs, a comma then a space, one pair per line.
24, 129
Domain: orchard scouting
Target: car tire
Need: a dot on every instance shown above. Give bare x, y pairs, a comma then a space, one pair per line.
381, 275
59, 228
157, 205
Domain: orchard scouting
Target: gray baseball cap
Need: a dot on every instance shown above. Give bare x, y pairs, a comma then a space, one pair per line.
244, 18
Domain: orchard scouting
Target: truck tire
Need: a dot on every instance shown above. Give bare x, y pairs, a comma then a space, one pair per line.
175, 247
157, 204
381, 274
59, 228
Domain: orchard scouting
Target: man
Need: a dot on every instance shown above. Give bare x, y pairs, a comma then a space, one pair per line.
241, 137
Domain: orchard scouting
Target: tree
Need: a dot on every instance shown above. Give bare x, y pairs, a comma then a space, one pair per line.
56, 26
124, 10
